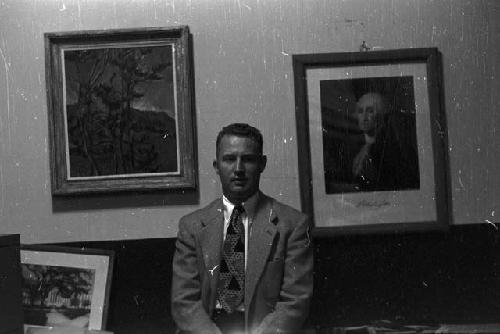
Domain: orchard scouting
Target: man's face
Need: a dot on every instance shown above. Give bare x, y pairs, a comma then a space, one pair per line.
368, 112
239, 165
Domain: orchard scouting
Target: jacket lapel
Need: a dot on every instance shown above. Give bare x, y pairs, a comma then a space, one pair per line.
260, 242
210, 237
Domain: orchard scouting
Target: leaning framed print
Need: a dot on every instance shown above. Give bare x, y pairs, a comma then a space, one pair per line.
371, 140
120, 105
65, 286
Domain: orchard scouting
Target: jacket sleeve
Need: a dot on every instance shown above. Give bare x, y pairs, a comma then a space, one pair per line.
187, 308
292, 308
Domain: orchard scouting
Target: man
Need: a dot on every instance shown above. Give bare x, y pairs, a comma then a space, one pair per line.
242, 264
387, 160
369, 113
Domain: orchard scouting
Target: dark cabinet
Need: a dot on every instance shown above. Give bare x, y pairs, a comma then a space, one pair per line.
11, 314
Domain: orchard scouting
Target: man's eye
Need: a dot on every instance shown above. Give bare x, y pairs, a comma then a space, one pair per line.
249, 158
228, 158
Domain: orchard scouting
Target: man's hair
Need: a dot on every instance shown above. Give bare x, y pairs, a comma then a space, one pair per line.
377, 98
240, 130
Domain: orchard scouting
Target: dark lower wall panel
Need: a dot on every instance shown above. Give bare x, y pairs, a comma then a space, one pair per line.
420, 278
140, 289
425, 278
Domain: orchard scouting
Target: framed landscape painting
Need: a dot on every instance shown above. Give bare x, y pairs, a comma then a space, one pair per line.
372, 140
64, 286
120, 110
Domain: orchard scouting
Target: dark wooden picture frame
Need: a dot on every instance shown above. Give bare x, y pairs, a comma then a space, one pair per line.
66, 284
342, 188
120, 106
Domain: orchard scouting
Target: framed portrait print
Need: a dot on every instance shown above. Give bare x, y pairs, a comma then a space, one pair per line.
120, 110
64, 286
372, 140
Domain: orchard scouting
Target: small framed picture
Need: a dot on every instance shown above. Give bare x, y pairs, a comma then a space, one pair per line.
372, 140
65, 286
120, 107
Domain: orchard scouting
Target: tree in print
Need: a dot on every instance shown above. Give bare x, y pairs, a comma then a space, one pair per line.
66, 282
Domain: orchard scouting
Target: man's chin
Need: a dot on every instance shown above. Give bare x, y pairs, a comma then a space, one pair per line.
239, 191
239, 186
238, 194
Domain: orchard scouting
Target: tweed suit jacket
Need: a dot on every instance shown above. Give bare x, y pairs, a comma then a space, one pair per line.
279, 272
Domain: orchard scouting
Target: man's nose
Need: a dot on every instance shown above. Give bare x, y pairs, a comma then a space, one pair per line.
239, 165
364, 115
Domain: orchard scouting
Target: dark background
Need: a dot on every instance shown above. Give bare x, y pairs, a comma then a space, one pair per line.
413, 278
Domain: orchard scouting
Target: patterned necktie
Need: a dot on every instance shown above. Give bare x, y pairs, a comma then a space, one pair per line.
231, 286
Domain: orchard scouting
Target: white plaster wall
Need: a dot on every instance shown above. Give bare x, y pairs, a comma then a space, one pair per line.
242, 62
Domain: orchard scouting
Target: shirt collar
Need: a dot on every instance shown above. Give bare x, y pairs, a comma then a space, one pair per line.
249, 205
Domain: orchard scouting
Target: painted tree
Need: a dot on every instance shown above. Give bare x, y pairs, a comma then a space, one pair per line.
106, 134
87, 68
133, 67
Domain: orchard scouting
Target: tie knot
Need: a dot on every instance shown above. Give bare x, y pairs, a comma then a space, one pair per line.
239, 209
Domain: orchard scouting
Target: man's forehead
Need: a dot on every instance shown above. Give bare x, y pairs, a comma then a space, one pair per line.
369, 100
237, 143
236, 139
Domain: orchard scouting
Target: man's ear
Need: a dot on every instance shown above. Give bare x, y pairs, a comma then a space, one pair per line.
263, 162
216, 166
